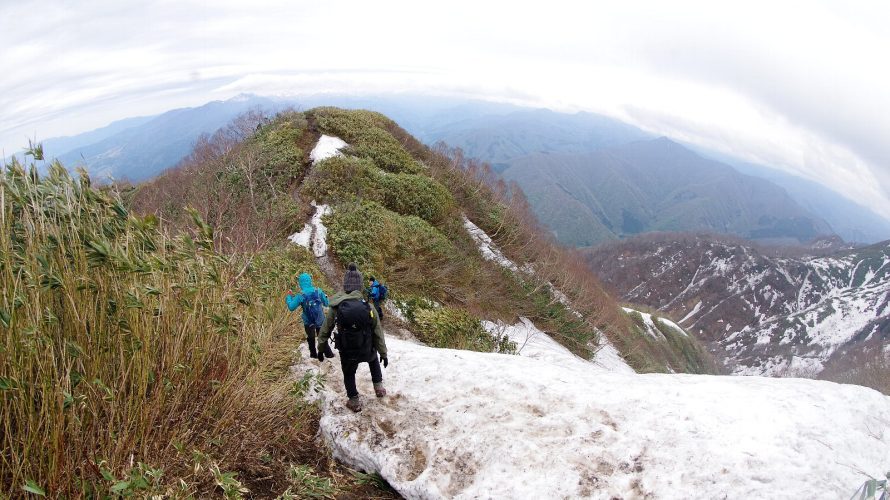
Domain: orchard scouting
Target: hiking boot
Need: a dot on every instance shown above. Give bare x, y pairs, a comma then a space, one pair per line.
379, 390
354, 404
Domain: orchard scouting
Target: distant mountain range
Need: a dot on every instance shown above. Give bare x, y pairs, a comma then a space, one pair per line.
598, 196
761, 313
655, 185
138, 149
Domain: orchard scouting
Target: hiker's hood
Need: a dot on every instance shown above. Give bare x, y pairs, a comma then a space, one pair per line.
305, 283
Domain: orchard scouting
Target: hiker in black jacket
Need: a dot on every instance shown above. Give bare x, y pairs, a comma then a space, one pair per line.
359, 337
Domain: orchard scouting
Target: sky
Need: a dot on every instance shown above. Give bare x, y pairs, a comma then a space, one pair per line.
798, 85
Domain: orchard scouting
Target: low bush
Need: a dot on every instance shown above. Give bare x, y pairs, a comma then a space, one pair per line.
350, 179
412, 194
343, 179
457, 329
365, 132
403, 249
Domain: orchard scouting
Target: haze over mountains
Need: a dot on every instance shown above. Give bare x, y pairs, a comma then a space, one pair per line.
589, 178
655, 185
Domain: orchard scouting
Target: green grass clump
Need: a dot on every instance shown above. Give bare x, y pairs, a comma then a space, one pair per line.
553, 316
365, 132
458, 329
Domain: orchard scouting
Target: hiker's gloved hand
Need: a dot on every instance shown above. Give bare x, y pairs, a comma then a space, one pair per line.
320, 355
384, 360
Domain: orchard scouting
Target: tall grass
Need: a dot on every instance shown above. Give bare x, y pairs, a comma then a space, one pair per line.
122, 348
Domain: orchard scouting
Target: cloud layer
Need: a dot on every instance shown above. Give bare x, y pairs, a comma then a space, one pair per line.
798, 85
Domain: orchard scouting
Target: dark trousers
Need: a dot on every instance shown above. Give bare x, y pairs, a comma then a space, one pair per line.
379, 309
311, 333
349, 367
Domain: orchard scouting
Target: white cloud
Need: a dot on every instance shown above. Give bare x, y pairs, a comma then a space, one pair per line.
801, 85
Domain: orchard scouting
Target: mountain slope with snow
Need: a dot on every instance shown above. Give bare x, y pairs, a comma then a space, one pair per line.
768, 314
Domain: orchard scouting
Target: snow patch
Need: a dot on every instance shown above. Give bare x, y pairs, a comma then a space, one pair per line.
314, 234
460, 424
327, 147
648, 324
692, 313
303, 237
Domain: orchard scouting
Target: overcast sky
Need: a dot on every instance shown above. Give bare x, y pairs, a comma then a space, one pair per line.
803, 86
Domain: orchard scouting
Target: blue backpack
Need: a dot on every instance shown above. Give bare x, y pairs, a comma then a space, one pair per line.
313, 308
383, 292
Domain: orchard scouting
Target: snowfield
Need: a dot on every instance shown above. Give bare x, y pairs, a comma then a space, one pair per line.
547, 424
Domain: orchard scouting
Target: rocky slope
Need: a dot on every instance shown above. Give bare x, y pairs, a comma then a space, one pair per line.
766, 314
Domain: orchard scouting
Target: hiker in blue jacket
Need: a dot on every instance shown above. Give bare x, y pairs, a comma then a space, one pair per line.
374, 295
313, 302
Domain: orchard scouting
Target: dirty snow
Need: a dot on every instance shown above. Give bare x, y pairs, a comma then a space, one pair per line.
394, 310
545, 424
327, 147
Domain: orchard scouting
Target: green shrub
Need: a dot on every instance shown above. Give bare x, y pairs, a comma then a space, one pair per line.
364, 131
420, 195
378, 239
457, 329
349, 179
343, 179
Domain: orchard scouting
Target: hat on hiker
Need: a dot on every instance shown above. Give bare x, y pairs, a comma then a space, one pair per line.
352, 280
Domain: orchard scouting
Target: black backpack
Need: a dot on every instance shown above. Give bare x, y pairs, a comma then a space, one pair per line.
355, 330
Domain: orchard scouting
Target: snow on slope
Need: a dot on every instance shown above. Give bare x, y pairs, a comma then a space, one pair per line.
487, 246
770, 315
649, 323
326, 147
534, 343
546, 424
606, 354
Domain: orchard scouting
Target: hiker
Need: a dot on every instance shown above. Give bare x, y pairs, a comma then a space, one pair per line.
376, 294
313, 301
359, 337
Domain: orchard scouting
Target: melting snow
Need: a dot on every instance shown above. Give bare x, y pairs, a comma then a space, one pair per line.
487, 247
546, 424
692, 313
327, 147
314, 233
303, 237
